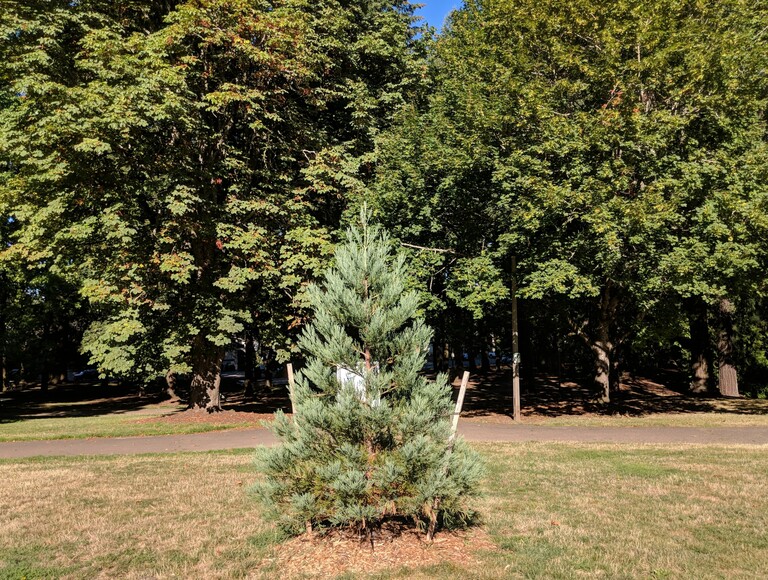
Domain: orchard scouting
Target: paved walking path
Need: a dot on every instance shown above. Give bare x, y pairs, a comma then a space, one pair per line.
235, 439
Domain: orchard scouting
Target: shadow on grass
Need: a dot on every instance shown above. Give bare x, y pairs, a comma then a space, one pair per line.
548, 396
74, 400
488, 395
91, 399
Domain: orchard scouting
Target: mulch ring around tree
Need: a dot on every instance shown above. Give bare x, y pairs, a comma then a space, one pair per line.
343, 552
197, 416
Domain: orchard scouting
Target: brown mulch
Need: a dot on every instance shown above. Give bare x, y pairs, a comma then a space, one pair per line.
229, 417
340, 552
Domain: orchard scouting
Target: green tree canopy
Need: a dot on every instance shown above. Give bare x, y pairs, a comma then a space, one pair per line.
172, 158
617, 148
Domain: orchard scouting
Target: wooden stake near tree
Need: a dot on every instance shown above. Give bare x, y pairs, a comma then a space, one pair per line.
457, 412
291, 390
451, 441
289, 368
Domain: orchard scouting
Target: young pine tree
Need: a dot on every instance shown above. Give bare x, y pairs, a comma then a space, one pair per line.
370, 438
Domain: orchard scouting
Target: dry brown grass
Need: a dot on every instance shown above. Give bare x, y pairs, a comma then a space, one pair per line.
552, 511
131, 517
162, 419
616, 511
737, 413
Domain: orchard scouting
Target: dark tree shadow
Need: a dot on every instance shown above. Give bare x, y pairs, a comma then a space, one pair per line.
488, 395
547, 396
86, 399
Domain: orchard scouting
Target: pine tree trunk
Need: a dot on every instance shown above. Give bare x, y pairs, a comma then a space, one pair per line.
699, 329
206, 379
728, 380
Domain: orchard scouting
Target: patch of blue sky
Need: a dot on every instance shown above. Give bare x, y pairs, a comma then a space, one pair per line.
434, 11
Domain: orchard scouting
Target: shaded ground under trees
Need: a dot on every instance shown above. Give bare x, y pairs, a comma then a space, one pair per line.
488, 398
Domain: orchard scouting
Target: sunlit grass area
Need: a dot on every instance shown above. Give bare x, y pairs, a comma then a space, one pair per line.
122, 413
67, 422
561, 511
101, 426
718, 418
552, 510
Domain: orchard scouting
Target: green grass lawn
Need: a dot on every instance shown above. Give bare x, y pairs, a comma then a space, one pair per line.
92, 410
80, 420
134, 425
127, 424
755, 416
552, 511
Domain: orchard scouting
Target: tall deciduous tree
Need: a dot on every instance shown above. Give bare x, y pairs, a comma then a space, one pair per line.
169, 158
613, 147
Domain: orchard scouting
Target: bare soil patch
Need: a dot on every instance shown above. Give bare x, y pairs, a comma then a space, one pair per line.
341, 552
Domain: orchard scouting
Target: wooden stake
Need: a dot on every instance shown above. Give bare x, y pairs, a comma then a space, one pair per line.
459, 405
289, 367
451, 440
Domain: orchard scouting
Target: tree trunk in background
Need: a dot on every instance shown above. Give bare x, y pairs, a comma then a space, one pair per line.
437, 355
458, 360
206, 380
170, 385
438, 349
3, 361
249, 366
728, 379
615, 375
603, 348
46, 356
699, 329
486, 362
602, 351
552, 356
472, 354
45, 378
